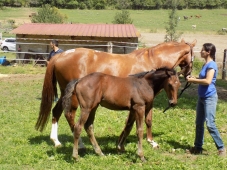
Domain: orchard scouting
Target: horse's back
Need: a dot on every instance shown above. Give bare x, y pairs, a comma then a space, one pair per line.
77, 63
113, 92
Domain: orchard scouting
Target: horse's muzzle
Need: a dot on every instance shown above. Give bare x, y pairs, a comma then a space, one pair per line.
172, 103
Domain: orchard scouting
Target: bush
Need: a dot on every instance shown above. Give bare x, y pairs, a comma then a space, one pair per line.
222, 32
48, 14
122, 17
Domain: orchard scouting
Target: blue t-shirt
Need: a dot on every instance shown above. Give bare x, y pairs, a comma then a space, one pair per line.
52, 53
208, 90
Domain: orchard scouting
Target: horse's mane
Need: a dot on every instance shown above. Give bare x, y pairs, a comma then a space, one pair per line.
141, 51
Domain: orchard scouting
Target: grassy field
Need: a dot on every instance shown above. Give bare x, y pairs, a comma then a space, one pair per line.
22, 147
145, 20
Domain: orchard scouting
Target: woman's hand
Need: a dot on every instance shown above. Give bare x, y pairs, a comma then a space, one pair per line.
190, 79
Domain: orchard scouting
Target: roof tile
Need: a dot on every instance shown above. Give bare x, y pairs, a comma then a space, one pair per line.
92, 30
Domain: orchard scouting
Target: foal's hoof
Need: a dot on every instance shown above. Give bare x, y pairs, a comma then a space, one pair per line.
101, 154
153, 144
120, 149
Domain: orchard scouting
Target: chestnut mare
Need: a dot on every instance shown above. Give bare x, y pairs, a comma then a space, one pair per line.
77, 63
101, 89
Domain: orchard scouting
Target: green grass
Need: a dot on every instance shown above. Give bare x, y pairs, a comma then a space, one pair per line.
155, 20
144, 20
22, 147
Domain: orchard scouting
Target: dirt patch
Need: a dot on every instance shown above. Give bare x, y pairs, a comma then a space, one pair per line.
192, 91
20, 77
220, 41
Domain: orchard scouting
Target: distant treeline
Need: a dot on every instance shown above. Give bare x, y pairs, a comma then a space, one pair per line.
118, 4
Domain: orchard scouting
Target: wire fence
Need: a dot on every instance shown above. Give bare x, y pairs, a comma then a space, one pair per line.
197, 64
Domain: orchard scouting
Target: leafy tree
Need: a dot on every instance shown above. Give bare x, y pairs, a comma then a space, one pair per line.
158, 4
72, 4
48, 14
122, 17
99, 4
171, 28
123, 4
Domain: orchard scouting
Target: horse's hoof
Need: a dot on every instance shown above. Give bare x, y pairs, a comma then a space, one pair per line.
143, 159
76, 158
82, 150
58, 145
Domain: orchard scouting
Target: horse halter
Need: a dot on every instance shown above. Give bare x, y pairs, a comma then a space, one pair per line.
187, 84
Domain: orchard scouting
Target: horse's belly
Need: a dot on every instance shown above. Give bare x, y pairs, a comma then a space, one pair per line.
113, 106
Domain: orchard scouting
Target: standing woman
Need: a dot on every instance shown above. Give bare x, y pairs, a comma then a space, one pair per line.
207, 101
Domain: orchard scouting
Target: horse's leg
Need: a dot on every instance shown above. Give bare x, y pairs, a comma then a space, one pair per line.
77, 131
70, 117
56, 112
90, 132
148, 121
126, 131
139, 129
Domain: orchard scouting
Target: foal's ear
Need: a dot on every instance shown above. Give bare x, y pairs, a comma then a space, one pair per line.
168, 72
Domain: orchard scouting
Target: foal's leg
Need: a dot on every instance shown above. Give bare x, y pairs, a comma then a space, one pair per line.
77, 130
139, 130
126, 131
90, 132
70, 117
148, 121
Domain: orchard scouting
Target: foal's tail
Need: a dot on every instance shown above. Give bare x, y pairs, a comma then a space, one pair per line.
67, 99
48, 93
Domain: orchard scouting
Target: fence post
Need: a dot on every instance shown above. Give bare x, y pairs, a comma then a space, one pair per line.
110, 47
224, 65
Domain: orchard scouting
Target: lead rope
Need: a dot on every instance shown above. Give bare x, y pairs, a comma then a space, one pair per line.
185, 87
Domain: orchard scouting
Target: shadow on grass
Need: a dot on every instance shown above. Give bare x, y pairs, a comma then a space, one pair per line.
177, 145
106, 143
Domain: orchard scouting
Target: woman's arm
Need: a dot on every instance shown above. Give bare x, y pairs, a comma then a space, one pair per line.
205, 81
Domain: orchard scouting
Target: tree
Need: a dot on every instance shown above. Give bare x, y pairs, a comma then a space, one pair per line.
171, 28
122, 17
48, 14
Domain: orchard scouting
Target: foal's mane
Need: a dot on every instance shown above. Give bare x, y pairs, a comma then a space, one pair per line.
140, 75
157, 73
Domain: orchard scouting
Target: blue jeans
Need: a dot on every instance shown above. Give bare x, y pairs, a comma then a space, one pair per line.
206, 111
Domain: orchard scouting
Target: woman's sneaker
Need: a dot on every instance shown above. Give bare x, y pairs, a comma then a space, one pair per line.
194, 150
222, 152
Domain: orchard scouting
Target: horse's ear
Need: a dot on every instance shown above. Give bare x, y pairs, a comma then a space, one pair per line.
182, 40
193, 43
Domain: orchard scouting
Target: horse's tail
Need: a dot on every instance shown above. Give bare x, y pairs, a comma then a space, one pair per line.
48, 94
67, 99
